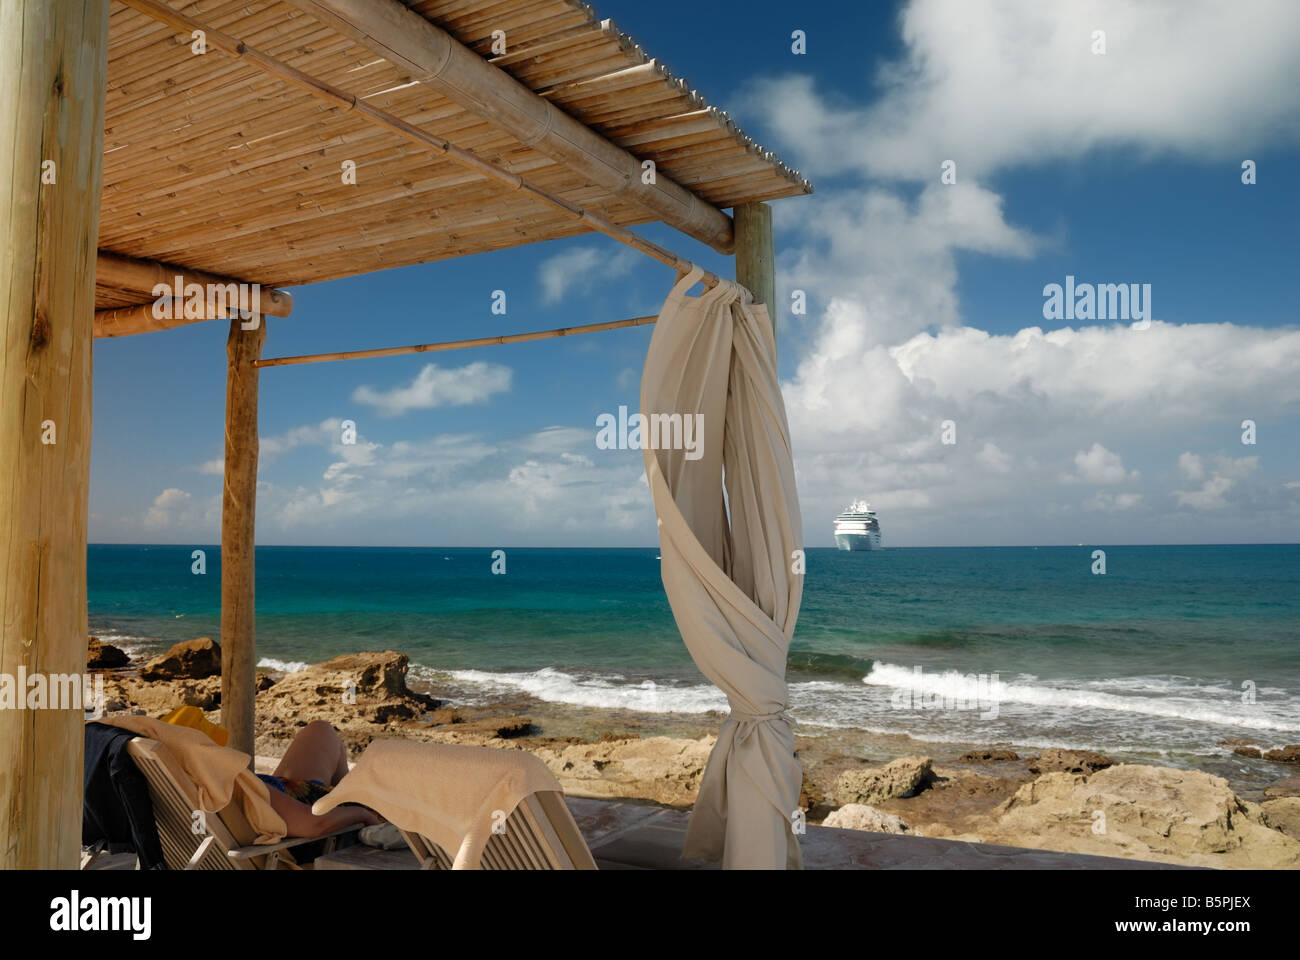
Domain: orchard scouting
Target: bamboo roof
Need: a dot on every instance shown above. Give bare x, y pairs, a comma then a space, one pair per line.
213, 165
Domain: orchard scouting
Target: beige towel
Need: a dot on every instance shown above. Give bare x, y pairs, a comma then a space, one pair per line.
453, 795
219, 773
728, 566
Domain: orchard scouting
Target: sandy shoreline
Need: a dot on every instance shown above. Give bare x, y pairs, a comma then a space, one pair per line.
1001, 793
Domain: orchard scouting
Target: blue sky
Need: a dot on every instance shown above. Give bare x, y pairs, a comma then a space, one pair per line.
1122, 167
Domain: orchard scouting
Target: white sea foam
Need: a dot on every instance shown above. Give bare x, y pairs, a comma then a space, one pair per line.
283, 666
557, 686
1218, 706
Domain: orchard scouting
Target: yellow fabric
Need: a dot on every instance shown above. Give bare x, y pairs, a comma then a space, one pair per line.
727, 565
190, 716
220, 774
451, 794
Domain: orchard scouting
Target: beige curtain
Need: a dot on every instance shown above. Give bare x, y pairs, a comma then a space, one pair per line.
727, 560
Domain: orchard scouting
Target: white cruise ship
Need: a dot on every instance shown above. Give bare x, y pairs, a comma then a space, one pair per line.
857, 528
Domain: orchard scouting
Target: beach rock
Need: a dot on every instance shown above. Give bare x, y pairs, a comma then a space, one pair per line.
1286, 787
986, 756
355, 692
661, 769
1283, 814
1252, 752
1287, 754
263, 682
859, 816
189, 659
1070, 761
444, 715
1235, 742
898, 778
1142, 812
104, 656
481, 730
162, 696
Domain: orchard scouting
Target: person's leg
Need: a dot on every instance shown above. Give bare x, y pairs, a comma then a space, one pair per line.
316, 753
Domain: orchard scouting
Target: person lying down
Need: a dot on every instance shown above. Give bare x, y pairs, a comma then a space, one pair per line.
312, 766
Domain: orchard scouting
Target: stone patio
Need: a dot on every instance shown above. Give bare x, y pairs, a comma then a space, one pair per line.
625, 835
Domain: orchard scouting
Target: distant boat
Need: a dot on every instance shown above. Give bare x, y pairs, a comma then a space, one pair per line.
857, 528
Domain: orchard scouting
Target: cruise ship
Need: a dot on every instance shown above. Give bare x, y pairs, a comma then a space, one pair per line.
857, 528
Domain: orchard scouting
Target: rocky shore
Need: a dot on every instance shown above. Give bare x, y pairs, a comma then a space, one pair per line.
1067, 800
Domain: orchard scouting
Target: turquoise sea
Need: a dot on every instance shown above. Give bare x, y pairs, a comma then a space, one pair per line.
1169, 652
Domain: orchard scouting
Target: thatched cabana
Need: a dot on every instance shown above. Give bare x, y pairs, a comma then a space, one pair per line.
134, 158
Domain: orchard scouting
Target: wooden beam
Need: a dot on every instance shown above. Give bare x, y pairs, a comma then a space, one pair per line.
435, 58
134, 275
140, 318
755, 256
454, 344
346, 101
238, 522
53, 66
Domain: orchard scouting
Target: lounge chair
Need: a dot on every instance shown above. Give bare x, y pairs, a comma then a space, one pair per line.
439, 797
227, 844
539, 835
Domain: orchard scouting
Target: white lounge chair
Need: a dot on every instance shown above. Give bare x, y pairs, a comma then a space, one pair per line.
227, 843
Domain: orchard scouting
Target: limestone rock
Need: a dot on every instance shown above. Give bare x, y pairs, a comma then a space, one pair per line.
1288, 754
1286, 787
358, 693
1140, 811
1253, 752
859, 816
898, 778
1283, 814
1070, 761
986, 756
161, 696
104, 656
662, 769
189, 659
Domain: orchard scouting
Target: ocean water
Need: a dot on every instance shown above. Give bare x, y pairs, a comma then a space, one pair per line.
1173, 650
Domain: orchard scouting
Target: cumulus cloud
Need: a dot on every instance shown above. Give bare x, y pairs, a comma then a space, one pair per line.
1098, 465
435, 386
1027, 69
582, 269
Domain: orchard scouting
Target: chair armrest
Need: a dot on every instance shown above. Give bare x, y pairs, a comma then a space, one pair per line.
259, 849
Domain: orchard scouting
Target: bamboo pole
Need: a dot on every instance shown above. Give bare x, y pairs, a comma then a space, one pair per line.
135, 275
140, 318
434, 57
453, 344
238, 522
343, 100
53, 67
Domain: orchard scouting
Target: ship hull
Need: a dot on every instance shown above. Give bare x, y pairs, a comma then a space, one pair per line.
858, 541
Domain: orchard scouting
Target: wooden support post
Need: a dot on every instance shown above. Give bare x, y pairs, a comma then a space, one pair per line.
755, 256
53, 65
238, 514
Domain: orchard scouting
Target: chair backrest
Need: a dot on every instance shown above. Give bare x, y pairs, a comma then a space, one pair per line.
175, 801
540, 834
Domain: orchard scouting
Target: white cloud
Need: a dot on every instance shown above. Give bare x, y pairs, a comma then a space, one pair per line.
1098, 465
1213, 492
168, 507
998, 84
435, 386
582, 269
1104, 500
